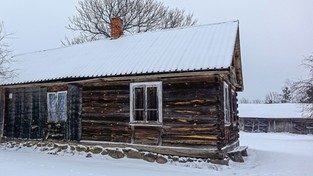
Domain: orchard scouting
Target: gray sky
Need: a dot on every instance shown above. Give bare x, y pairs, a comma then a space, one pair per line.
275, 34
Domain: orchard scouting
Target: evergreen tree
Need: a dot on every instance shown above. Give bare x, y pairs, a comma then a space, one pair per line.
286, 95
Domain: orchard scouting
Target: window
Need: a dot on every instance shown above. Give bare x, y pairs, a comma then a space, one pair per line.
226, 105
146, 102
57, 106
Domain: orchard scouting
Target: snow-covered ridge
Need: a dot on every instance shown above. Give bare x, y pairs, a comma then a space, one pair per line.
282, 110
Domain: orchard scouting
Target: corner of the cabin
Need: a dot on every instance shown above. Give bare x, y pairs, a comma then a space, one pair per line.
229, 114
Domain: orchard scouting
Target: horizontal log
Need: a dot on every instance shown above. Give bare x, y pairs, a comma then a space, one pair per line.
121, 103
104, 123
198, 102
124, 139
188, 129
187, 143
191, 137
207, 79
105, 110
106, 86
112, 125
190, 111
189, 84
146, 141
115, 117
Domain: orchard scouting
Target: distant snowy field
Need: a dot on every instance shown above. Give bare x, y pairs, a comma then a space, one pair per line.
270, 154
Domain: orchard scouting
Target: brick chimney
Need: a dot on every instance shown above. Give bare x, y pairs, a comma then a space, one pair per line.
116, 28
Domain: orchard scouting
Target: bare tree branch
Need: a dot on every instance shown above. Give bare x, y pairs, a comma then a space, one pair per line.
5, 54
303, 89
273, 97
94, 18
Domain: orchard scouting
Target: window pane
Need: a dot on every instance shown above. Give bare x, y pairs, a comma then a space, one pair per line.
139, 115
52, 107
152, 115
62, 108
152, 99
139, 98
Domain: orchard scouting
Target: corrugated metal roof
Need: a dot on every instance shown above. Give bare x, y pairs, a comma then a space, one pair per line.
204, 47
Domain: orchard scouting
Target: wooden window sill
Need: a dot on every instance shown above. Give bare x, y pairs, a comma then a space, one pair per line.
146, 124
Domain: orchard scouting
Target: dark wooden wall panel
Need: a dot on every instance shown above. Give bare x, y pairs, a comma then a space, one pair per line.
25, 113
190, 114
147, 135
74, 95
105, 112
2, 108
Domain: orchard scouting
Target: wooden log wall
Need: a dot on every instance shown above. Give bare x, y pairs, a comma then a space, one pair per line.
147, 135
105, 112
25, 113
191, 113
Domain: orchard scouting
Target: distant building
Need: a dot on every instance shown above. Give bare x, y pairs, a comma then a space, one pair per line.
284, 117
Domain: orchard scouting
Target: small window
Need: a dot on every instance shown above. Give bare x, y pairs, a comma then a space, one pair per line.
146, 102
57, 106
227, 118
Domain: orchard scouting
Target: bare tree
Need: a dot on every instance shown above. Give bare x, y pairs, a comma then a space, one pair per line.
257, 101
5, 54
94, 18
244, 101
273, 97
303, 89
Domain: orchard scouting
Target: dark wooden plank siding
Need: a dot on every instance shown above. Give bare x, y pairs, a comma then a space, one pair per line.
190, 114
39, 115
74, 99
2, 108
147, 135
25, 113
105, 112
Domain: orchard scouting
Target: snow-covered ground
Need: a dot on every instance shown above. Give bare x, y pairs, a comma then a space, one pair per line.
270, 154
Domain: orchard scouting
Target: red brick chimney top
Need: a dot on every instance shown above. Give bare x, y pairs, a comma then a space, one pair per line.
116, 28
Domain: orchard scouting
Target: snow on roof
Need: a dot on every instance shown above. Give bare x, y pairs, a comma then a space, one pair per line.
282, 110
205, 47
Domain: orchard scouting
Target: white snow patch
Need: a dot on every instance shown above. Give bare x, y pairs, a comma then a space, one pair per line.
279, 154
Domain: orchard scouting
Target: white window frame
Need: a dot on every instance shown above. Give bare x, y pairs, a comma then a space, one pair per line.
57, 119
145, 85
227, 117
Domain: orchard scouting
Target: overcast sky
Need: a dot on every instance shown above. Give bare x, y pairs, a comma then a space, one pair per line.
275, 34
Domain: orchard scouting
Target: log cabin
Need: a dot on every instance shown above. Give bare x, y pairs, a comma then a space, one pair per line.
171, 91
